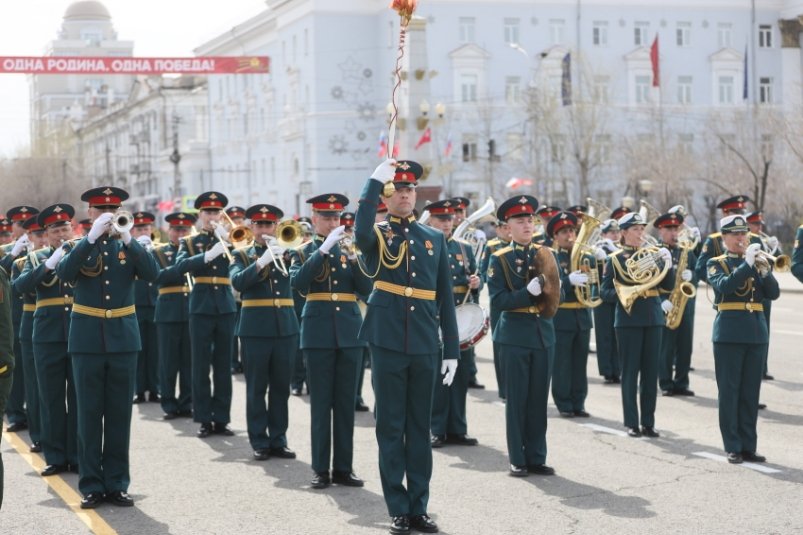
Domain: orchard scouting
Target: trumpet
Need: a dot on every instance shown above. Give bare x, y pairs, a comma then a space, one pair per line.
347, 245
123, 221
781, 262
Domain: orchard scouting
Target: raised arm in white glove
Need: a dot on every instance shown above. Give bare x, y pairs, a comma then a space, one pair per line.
386, 171
20, 245
333, 237
53, 261
578, 278
686, 275
534, 287
449, 369
100, 226
600, 253
667, 306
270, 254
750, 254
214, 252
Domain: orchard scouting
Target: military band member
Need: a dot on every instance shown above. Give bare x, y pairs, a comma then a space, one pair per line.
330, 278
84, 225
172, 318
797, 255
449, 422
712, 246
526, 339
620, 211
755, 224
20, 240
212, 315
52, 355
572, 321
5, 232
268, 331
6, 356
676, 344
501, 241
577, 210
298, 372
638, 332
347, 220
145, 296
545, 213
237, 216
740, 336
608, 359
412, 297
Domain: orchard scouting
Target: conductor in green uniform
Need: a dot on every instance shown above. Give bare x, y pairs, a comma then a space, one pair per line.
412, 297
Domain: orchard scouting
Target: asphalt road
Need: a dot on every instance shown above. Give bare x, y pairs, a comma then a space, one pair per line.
605, 482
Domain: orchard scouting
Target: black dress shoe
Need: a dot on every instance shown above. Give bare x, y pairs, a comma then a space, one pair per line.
649, 432
540, 469
616, 380
119, 498
762, 406
185, 413
768, 377
581, 414
566, 414
222, 429
53, 469
437, 441
92, 500
399, 525
684, 392
735, 458
753, 457
474, 384
205, 430
668, 392
237, 368
692, 368
262, 454
153, 397
361, 407
36, 447
518, 471
139, 398
609, 380
283, 453
320, 480
633, 432
172, 415
16, 427
423, 523
462, 440
347, 479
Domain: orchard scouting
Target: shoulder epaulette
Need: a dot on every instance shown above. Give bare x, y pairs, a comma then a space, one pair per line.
720, 257
715, 235
503, 250
496, 241
20, 262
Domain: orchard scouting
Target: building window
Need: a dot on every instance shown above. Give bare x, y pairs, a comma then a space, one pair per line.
683, 33
726, 87
765, 36
643, 89
467, 29
724, 34
765, 90
599, 33
684, 89
640, 36
512, 89
557, 31
469, 151
512, 31
468, 88
601, 84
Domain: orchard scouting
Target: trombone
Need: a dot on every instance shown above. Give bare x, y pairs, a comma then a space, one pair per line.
237, 236
288, 236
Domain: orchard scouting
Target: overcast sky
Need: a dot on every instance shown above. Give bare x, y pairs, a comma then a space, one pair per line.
157, 28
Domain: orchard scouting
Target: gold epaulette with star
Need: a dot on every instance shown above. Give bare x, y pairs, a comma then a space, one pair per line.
503, 250
496, 241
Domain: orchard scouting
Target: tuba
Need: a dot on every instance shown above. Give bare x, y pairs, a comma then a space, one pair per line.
643, 271
587, 237
598, 210
465, 230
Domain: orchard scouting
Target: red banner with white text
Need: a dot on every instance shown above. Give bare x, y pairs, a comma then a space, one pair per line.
118, 65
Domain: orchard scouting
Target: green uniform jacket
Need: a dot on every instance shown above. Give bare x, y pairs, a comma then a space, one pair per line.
396, 322
116, 265
712, 247
572, 319
50, 323
170, 307
734, 281
490, 248
267, 283
6, 260
462, 264
211, 299
328, 324
25, 330
6, 335
507, 286
145, 295
797, 255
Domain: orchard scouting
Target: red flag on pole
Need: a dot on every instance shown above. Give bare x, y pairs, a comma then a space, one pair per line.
426, 137
656, 68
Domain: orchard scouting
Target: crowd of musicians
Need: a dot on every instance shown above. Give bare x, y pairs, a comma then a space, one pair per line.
104, 314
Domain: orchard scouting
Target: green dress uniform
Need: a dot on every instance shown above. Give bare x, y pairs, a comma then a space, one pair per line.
608, 358
53, 358
797, 255
449, 405
6, 355
490, 248
412, 297
740, 338
638, 335
145, 295
268, 332
172, 319
298, 374
16, 413
212, 311
329, 328
26, 356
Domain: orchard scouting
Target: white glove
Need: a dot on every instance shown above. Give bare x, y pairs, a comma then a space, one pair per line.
666, 255
686, 275
126, 237
480, 235
772, 244
145, 241
448, 369
100, 227
386, 171
24, 241
750, 254
53, 261
333, 237
534, 287
578, 278
609, 244
600, 253
266, 258
695, 231
214, 252
667, 306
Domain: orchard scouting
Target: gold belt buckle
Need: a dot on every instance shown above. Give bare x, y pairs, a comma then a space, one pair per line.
408, 291
108, 314
335, 297
532, 309
749, 307
214, 280
276, 302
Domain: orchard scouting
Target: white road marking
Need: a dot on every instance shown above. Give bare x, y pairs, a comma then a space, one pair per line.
753, 466
604, 429
783, 331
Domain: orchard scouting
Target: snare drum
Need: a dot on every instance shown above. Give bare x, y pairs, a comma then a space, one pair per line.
473, 324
